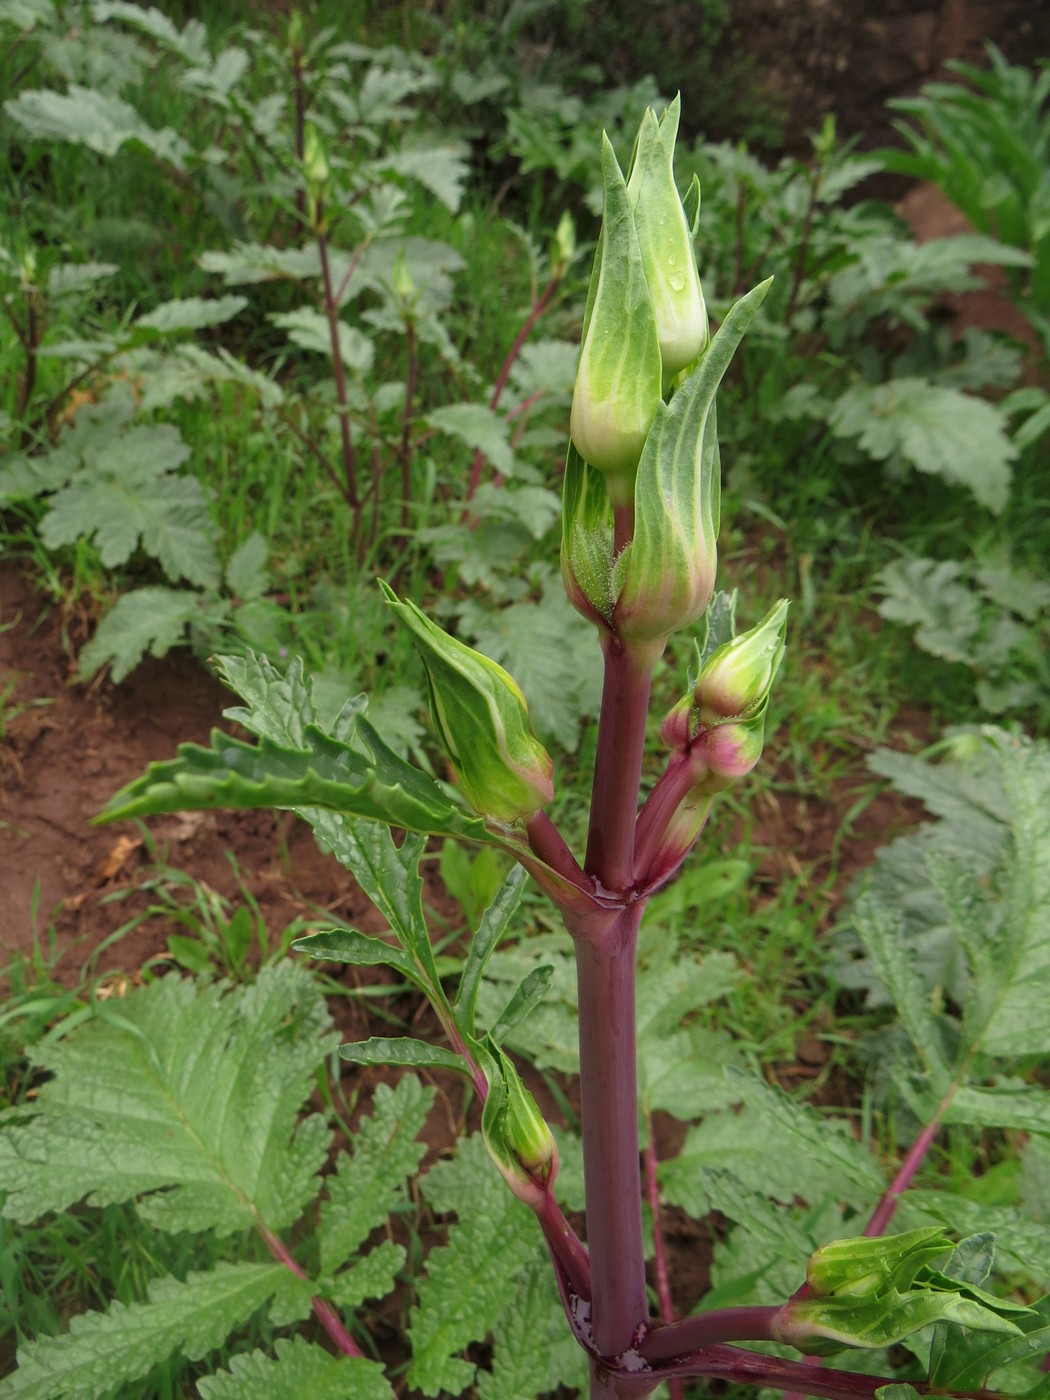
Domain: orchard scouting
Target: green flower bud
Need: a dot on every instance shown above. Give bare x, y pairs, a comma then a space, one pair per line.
515, 1131
668, 569
666, 243
618, 378
483, 721
737, 678
316, 169
587, 541
563, 249
862, 1266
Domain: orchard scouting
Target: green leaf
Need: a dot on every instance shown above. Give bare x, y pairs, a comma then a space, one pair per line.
939, 431
187, 1101
880, 929
369, 781
126, 495
479, 427
247, 574
301, 1371
347, 945
101, 1350
775, 1145
189, 314
972, 1358
472, 1280
371, 1276
930, 595
491, 930
442, 168
145, 620
523, 1001
100, 121
402, 1050
190, 372
370, 1183
533, 1350
261, 262
310, 330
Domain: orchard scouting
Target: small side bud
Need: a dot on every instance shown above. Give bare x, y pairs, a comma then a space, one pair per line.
736, 681
401, 281
515, 1131
618, 378
666, 243
563, 249
483, 721
317, 174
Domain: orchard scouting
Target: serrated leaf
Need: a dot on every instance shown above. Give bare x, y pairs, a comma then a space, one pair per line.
1022, 1243
472, 1279
300, 1371
880, 930
775, 1145
101, 1350
69, 278
310, 330
126, 496
441, 168
145, 620
246, 572
191, 41
533, 1350
261, 262
936, 430
523, 1000
189, 314
101, 121
479, 427
369, 1184
929, 595
189, 371
402, 1050
187, 1101
372, 1275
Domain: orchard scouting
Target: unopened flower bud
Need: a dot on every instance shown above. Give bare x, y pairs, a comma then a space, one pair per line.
483, 721
564, 246
618, 378
515, 1131
668, 569
666, 243
737, 678
730, 751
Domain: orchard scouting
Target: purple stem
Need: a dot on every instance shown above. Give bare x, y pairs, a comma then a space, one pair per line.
658, 809
605, 968
752, 1368
618, 767
884, 1211
324, 1312
547, 842
751, 1324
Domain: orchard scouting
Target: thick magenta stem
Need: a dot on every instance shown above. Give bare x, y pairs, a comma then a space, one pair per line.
605, 963
751, 1324
618, 766
547, 842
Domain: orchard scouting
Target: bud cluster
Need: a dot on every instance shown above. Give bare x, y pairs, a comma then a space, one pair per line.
720, 722
642, 475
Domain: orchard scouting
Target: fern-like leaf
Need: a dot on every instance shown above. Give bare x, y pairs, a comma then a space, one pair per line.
102, 1349
186, 1097
301, 1371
